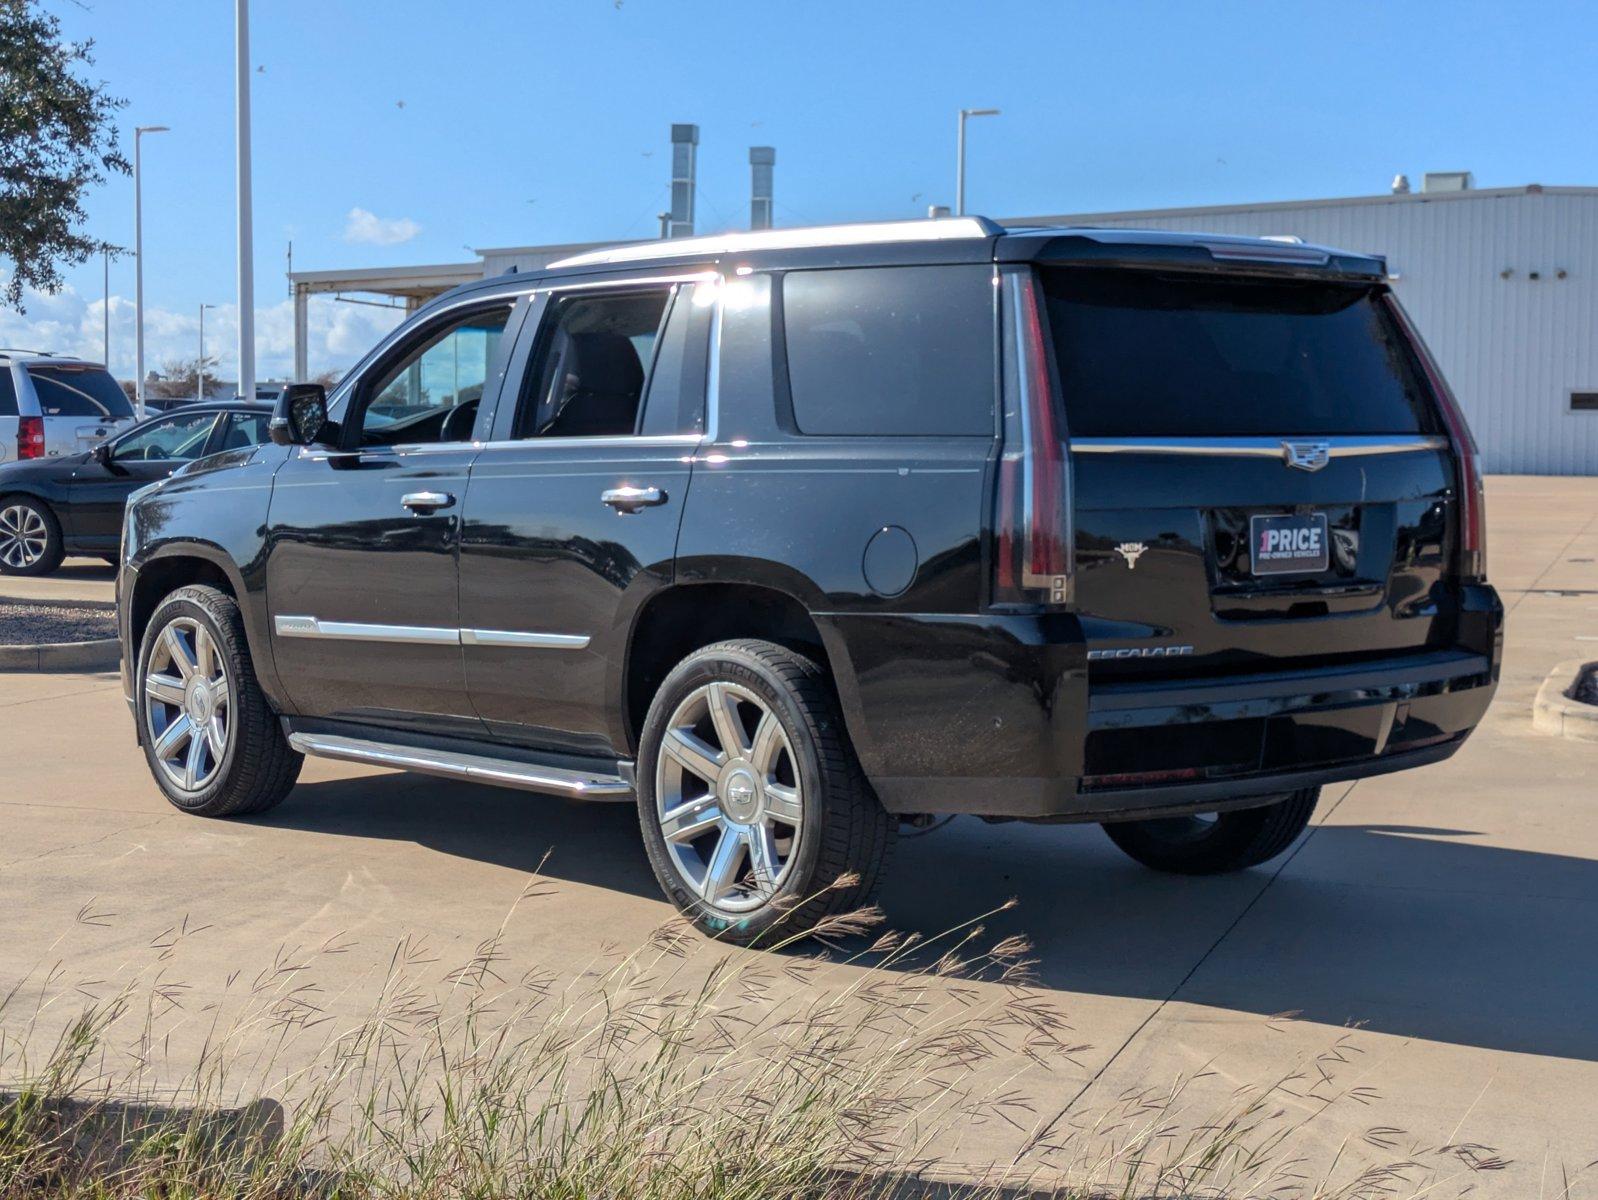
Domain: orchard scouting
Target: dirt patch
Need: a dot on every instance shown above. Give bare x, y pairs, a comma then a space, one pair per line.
44, 624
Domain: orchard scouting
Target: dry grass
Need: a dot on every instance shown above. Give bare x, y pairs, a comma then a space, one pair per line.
868, 1064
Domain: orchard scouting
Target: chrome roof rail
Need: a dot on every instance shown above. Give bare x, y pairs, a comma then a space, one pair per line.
861, 234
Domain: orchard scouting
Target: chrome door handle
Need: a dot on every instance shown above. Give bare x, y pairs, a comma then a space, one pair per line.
631, 499
426, 502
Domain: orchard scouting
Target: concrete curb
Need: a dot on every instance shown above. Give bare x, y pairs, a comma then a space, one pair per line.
99, 655
1556, 713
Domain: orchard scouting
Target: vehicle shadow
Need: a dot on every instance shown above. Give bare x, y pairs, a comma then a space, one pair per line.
93, 569
1414, 931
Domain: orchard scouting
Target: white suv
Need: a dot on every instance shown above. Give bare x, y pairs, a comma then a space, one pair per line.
51, 405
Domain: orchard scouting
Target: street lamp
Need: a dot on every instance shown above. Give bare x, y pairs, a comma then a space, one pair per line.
138, 267
199, 370
246, 334
959, 176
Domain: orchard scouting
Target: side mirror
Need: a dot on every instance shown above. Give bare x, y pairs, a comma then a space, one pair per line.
102, 454
300, 418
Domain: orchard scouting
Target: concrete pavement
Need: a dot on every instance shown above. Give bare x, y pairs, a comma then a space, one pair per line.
1448, 917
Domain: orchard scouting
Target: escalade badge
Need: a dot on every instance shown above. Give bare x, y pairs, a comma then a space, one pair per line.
1307, 456
1131, 551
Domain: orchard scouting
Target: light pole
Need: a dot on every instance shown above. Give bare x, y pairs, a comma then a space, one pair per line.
241, 13
138, 267
959, 174
199, 370
105, 263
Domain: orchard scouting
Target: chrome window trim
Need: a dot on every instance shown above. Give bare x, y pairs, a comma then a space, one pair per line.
421, 635
598, 440
1259, 447
556, 286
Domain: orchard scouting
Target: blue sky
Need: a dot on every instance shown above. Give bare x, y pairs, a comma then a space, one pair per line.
407, 130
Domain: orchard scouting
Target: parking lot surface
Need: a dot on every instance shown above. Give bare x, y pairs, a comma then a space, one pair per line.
1443, 921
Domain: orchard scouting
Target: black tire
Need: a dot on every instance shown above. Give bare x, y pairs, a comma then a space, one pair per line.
845, 835
26, 508
257, 767
1222, 842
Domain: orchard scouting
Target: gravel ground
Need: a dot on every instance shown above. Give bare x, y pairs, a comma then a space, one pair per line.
41, 624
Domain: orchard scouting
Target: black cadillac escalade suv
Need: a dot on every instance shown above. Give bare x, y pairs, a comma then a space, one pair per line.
793, 537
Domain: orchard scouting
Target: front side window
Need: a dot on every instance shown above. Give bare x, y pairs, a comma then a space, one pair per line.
244, 430
172, 438
431, 391
891, 350
69, 391
593, 364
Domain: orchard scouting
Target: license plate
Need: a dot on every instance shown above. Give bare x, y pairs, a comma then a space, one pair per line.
1289, 545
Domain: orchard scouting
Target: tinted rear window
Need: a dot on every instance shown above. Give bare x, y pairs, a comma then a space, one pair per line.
891, 350
8, 392
1156, 355
79, 392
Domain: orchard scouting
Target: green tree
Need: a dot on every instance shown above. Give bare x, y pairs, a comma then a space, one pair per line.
57, 140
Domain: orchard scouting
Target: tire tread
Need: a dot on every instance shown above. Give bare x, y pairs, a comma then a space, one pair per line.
857, 834
264, 766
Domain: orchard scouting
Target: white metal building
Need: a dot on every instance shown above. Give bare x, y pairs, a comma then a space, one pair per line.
1503, 283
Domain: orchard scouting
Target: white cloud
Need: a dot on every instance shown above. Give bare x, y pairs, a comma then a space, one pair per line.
370, 229
70, 323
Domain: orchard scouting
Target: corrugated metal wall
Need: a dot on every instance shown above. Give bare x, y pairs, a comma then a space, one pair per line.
1512, 348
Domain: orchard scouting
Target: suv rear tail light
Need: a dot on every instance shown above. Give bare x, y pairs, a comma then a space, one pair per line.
1033, 554
1472, 509
30, 437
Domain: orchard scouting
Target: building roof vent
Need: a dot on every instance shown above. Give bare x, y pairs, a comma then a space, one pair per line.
1448, 181
1400, 185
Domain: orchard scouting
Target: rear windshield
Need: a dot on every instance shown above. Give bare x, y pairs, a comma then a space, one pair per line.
1179, 356
79, 392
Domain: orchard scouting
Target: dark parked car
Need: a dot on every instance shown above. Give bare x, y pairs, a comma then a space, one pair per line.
72, 503
794, 537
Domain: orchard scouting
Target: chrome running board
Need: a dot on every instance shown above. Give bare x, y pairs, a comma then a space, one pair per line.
529, 777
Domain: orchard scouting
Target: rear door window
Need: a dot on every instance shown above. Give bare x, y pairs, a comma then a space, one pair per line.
1146, 354
592, 366
903, 351
8, 392
66, 391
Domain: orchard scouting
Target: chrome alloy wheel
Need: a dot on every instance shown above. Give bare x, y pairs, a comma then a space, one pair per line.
23, 536
188, 704
727, 795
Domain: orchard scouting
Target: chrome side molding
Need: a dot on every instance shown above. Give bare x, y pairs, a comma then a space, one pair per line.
536, 641
352, 631
1258, 447
527, 777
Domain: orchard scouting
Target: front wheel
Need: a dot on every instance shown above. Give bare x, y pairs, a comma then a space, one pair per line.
755, 814
1218, 842
211, 741
30, 537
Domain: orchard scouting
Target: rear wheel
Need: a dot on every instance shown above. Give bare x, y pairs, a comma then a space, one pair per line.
755, 814
1215, 843
30, 537
209, 737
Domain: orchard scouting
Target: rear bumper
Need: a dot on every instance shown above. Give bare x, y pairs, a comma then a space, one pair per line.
995, 716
